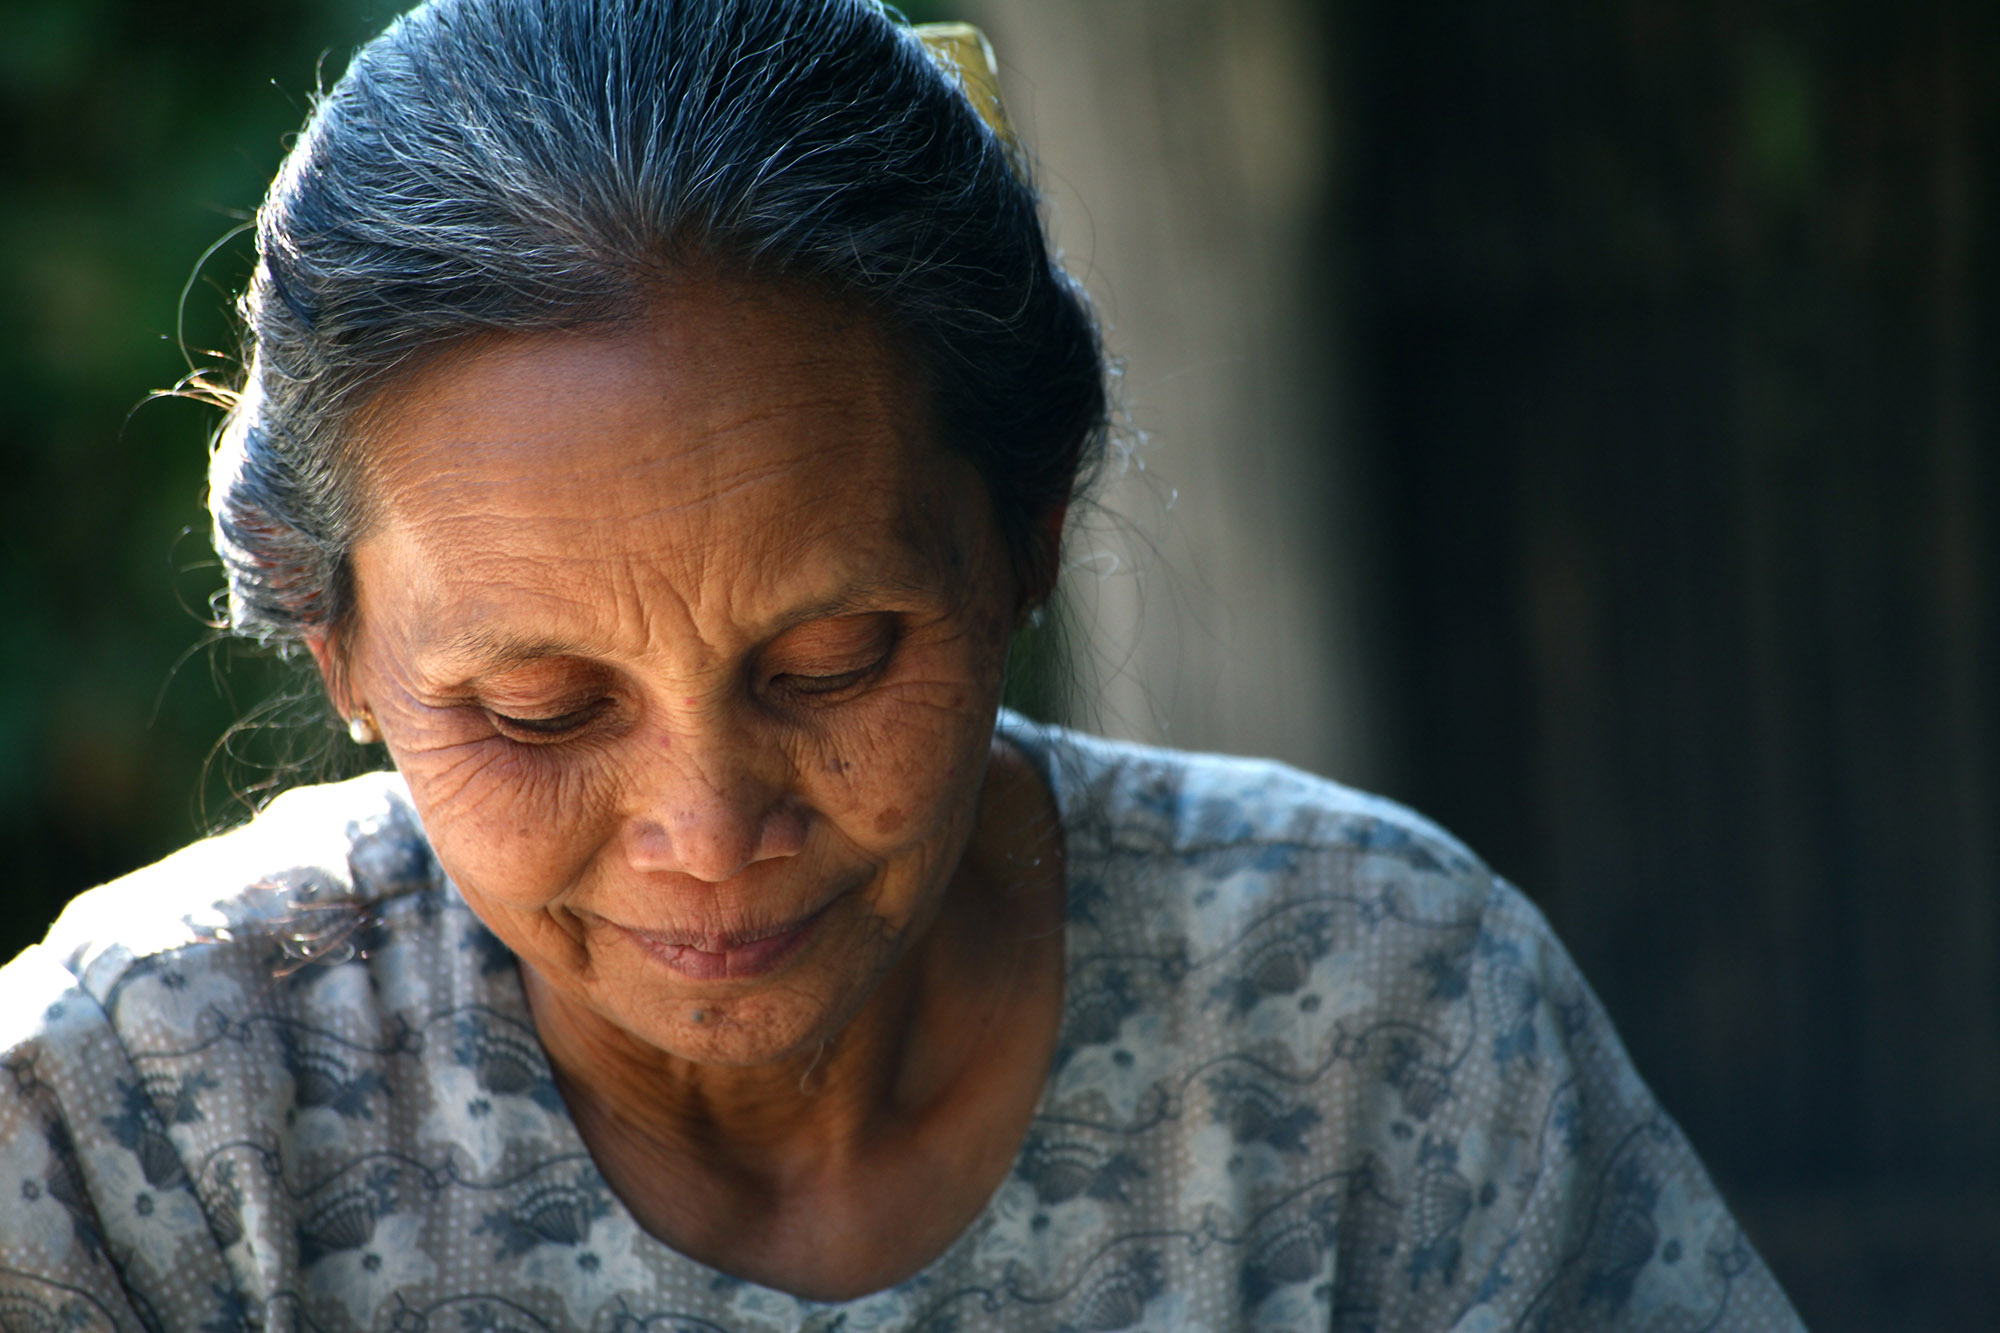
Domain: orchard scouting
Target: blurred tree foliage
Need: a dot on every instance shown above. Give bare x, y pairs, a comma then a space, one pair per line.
137, 135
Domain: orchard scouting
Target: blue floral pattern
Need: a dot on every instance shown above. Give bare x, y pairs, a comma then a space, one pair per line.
1318, 1069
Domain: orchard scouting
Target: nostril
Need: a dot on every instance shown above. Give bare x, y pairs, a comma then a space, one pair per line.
784, 832
649, 846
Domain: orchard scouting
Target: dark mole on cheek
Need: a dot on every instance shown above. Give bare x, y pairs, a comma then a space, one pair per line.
891, 819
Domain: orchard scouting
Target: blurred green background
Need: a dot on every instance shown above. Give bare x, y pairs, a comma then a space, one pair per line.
1669, 333
136, 135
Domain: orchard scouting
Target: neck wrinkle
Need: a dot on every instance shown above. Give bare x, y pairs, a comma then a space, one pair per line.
768, 1126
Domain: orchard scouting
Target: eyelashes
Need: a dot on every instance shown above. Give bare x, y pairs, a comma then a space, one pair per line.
818, 687
826, 665
553, 727
802, 687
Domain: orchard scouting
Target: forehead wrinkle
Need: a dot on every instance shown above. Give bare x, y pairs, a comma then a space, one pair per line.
728, 478
461, 494
867, 398
740, 480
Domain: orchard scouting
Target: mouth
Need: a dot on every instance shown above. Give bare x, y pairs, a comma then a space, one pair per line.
733, 956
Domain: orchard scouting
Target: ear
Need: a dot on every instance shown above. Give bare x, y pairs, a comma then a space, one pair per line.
1048, 558
327, 657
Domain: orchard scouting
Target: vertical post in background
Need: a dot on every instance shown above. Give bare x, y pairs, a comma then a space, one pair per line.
1188, 150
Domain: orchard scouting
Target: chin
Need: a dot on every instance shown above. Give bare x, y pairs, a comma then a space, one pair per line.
746, 1032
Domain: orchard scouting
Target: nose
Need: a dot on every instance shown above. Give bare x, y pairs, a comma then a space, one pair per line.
710, 817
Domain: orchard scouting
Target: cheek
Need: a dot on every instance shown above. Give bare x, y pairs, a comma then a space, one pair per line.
904, 765
510, 828
903, 768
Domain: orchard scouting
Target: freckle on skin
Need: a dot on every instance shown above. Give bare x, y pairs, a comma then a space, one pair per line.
891, 819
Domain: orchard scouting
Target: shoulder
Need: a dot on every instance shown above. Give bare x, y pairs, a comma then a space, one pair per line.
114, 1028
1340, 1029
313, 854
212, 1065
1219, 843
166, 961
1287, 912
155, 956
1146, 798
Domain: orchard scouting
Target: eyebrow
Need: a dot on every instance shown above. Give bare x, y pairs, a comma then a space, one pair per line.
485, 649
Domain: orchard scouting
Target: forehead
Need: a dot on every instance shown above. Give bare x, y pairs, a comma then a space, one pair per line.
741, 444
712, 371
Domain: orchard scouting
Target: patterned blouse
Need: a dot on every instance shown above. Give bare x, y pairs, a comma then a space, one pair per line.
1317, 1069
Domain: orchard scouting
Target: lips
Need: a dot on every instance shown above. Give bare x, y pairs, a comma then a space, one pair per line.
734, 956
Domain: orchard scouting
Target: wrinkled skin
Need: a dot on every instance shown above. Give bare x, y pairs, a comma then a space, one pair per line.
687, 637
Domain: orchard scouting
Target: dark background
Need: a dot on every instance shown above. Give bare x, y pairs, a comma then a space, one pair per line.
1678, 333
1673, 352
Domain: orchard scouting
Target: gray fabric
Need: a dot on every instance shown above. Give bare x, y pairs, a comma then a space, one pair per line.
1318, 1068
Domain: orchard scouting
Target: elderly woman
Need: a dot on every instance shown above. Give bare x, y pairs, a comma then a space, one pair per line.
659, 414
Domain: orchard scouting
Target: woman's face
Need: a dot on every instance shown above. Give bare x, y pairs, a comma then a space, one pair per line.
687, 638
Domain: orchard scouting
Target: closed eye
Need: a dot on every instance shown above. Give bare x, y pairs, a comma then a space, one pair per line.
815, 686
823, 660
552, 727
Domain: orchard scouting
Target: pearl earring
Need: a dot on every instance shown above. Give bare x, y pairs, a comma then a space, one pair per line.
362, 730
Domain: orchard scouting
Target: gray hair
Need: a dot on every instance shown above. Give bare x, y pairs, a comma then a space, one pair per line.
513, 166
